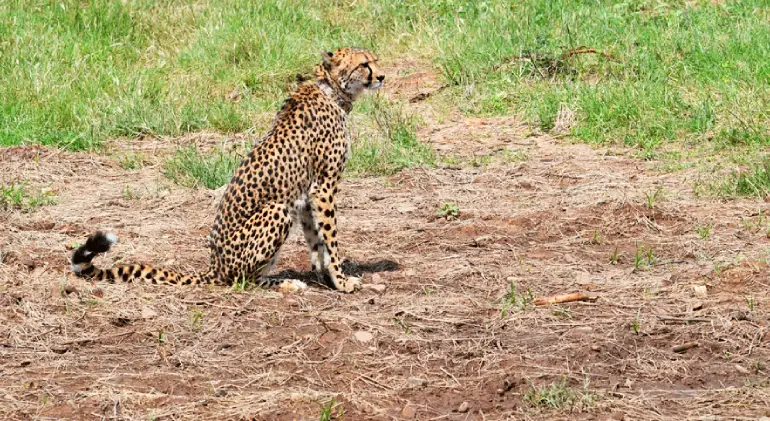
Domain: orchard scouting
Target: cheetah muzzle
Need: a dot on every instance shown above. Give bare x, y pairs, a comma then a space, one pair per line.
292, 175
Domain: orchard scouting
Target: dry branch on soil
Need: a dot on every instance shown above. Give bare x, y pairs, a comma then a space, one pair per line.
684, 347
558, 299
552, 60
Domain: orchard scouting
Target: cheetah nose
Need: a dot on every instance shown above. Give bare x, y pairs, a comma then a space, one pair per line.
381, 78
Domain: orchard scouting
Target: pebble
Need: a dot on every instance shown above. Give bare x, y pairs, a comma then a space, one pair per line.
363, 336
408, 412
406, 207
416, 382
148, 313
700, 290
463, 408
582, 330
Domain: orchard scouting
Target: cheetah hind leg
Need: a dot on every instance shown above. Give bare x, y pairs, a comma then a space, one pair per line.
269, 230
283, 285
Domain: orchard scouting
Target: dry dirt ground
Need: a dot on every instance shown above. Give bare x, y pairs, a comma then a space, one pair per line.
440, 332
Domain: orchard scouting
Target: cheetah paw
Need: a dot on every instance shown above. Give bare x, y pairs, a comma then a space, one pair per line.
351, 284
292, 285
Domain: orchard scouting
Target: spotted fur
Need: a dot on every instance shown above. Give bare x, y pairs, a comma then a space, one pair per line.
293, 174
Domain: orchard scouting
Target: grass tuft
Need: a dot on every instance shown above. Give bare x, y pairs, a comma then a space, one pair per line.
753, 182
17, 196
191, 168
559, 396
393, 145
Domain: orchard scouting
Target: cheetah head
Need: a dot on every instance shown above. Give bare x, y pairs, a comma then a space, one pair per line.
353, 70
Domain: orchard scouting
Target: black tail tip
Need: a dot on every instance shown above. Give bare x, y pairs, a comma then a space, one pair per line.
100, 242
96, 243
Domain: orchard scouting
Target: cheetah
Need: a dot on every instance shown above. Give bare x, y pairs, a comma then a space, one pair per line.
292, 174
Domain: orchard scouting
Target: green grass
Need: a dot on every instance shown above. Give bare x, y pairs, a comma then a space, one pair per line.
332, 410
678, 72
753, 182
18, 196
392, 144
448, 210
516, 300
132, 160
559, 396
685, 72
189, 167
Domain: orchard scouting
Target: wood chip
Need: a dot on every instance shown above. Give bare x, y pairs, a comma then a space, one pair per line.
684, 347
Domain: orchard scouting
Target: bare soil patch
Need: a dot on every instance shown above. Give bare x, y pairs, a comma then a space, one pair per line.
440, 334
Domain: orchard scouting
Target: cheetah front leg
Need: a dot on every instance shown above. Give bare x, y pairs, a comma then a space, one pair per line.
314, 242
325, 217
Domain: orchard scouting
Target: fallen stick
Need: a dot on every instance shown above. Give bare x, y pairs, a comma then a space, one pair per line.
583, 50
681, 319
684, 347
425, 95
557, 299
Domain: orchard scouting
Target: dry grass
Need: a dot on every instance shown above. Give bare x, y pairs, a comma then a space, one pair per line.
73, 350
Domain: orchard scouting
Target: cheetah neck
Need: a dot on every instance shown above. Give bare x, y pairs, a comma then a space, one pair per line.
333, 90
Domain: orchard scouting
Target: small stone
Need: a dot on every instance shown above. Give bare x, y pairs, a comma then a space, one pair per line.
743, 370
380, 288
582, 330
148, 313
482, 241
408, 412
463, 408
406, 207
376, 278
220, 392
596, 348
97, 292
363, 336
700, 290
416, 382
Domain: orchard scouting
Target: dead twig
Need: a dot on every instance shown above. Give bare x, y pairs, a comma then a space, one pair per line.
509, 59
566, 298
583, 50
684, 347
681, 319
548, 58
425, 95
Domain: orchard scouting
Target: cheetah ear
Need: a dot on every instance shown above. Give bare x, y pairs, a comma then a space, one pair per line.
327, 59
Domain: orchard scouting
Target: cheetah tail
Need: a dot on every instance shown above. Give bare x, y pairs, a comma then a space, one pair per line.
100, 243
